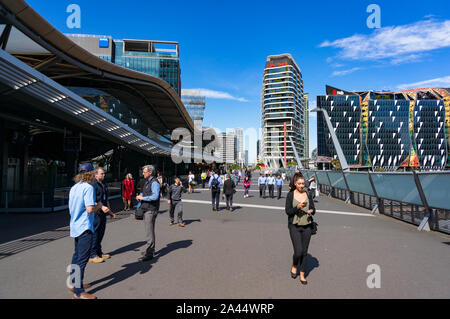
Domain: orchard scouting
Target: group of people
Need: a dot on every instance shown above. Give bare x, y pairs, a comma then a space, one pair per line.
89, 206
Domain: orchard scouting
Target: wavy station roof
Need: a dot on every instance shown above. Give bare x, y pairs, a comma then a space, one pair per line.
63, 61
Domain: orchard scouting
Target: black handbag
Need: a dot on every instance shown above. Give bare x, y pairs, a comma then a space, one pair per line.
313, 227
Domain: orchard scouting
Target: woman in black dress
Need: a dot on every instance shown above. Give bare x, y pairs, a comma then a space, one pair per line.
299, 208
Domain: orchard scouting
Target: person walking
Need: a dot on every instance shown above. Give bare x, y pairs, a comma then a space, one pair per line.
299, 208
271, 184
215, 182
82, 208
149, 198
127, 191
279, 185
191, 182
262, 185
313, 187
174, 201
101, 196
228, 190
203, 177
247, 184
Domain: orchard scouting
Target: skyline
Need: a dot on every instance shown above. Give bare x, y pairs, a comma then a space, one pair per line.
409, 50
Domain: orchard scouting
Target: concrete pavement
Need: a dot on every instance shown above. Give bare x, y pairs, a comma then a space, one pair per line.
246, 253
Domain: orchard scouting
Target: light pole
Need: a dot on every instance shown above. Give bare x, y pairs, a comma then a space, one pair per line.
337, 145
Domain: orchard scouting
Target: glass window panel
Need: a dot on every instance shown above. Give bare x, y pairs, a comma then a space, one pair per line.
359, 182
322, 178
436, 188
337, 180
398, 186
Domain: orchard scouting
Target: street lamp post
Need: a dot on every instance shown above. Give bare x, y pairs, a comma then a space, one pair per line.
336, 143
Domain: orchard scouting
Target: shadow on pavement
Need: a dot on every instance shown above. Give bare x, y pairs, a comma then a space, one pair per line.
131, 269
188, 221
133, 246
312, 263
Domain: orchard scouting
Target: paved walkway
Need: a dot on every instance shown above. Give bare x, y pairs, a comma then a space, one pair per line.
246, 253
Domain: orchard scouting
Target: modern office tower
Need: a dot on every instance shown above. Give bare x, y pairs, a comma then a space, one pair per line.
195, 105
282, 107
408, 128
246, 158
306, 126
239, 145
157, 58
227, 150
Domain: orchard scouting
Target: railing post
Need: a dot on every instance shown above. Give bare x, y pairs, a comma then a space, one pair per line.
424, 224
348, 188
377, 205
331, 186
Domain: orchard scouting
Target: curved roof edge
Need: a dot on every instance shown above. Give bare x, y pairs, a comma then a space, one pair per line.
42, 28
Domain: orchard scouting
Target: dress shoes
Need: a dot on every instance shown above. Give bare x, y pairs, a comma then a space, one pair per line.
84, 295
105, 256
171, 223
85, 286
96, 260
146, 258
181, 224
304, 282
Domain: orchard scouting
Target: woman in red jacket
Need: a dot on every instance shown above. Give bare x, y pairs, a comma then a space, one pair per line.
247, 184
127, 191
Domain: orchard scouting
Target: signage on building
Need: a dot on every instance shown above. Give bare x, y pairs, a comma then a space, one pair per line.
103, 42
276, 64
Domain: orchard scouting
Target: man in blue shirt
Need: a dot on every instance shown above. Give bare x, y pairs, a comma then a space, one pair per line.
262, 185
215, 182
279, 184
271, 184
82, 208
149, 198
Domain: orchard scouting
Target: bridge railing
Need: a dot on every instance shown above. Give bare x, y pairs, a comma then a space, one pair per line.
414, 197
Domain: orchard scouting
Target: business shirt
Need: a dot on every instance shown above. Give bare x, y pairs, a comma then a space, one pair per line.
155, 191
262, 181
279, 182
81, 195
271, 180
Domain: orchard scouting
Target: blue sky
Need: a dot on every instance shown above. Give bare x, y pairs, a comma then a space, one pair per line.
224, 45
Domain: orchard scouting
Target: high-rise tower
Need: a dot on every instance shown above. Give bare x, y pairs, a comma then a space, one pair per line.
282, 106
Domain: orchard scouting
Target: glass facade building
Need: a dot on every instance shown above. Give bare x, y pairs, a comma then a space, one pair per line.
282, 104
157, 58
408, 128
195, 105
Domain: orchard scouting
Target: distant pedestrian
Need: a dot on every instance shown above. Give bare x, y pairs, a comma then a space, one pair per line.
203, 177
279, 185
283, 176
191, 182
215, 182
127, 191
262, 186
247, 184
82, 208
313, 187
271, 185
299, 208
174, 201
101, 196
149, 198
228, 190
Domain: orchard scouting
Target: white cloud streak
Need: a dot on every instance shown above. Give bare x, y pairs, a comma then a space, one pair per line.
216, 94
345, 72
394, 42
438, 82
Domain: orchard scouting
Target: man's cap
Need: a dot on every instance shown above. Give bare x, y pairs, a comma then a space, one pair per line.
85, 168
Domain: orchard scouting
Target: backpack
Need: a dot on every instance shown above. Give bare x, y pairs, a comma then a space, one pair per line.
214, 183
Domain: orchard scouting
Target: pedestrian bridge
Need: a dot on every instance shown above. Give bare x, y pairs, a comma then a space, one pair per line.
246, 253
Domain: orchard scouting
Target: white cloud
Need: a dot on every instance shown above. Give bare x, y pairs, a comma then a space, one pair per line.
394, 42
438, 82
345, 72
215, 94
